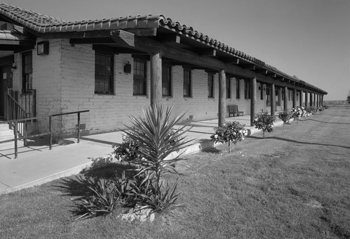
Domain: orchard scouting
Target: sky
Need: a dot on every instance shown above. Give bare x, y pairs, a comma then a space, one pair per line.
306, 38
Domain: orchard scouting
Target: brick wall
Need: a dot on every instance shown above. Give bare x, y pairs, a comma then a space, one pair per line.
65, 78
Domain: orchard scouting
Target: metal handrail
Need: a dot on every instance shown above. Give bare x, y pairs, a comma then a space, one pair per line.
25, 137
14, 123
67, 113
22, 112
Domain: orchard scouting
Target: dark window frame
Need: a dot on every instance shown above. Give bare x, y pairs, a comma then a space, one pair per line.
211, 86
167, 72
140, 77
27, 71
246, 89
268, 97
187, 82
261, 91
238, 90
228, 88
109, 78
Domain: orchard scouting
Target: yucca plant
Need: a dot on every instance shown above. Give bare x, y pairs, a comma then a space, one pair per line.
157, 137
103, 197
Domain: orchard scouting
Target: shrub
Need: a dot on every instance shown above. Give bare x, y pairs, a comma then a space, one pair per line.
229, 132
145, 146
264, 122
285, 117
127, 150
154, 137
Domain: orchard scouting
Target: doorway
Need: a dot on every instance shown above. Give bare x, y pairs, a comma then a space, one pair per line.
5, 83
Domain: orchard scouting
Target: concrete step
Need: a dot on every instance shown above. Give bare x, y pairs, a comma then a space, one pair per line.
10, 146
5, 132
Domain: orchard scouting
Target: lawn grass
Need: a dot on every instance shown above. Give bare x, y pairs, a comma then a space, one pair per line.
295, 183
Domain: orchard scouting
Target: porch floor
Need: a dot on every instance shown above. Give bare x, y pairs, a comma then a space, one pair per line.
36, 164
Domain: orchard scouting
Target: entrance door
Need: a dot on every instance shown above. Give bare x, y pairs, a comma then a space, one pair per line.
5, 83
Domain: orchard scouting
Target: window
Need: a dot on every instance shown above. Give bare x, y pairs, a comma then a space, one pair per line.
210, 85
166, 80
228, 87
283, 94
187, 83
237, 89
27, 65
140, 77
277, 97
246, 89
261, 91
290, 95
268, 98
103, 73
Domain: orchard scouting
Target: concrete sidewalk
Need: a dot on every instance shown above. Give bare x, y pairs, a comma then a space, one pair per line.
36, 165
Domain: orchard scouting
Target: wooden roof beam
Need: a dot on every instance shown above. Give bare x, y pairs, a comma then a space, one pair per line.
170, 38
205, 51
73, 41
273, 75
231, 60
143, 32
262, 71
248, 66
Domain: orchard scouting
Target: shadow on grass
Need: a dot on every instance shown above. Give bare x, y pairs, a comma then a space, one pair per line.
80, 186
211, 150
325, 122
299, 142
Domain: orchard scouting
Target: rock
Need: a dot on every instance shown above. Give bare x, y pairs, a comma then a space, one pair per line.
138, 213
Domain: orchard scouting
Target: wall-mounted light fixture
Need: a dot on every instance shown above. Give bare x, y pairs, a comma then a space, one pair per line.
14, 66
42, 48
127, 68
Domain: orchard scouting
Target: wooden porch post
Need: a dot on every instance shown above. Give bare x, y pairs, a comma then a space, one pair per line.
285, 98
294, 98
273, 99
156, 78
306, 99
314, 99
222, 97
253, 100
279, 96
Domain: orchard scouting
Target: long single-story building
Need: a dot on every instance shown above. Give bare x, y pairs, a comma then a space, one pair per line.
115, 67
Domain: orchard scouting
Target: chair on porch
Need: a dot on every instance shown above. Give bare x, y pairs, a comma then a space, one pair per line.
233, 110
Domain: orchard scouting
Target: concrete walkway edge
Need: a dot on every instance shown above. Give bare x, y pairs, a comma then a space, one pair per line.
196, 147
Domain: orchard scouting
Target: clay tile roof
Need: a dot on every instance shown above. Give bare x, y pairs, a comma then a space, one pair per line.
44, 24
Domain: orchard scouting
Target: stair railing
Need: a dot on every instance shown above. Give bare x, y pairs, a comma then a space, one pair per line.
16, 111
